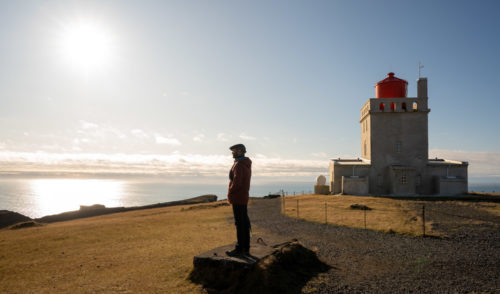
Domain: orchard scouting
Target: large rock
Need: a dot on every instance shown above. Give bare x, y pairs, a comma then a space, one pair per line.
273, 266
8, 218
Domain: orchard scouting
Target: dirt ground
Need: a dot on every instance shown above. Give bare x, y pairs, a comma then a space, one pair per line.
465, 260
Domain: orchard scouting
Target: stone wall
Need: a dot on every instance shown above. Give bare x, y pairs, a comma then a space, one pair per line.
355, 185
322, 189
452, 186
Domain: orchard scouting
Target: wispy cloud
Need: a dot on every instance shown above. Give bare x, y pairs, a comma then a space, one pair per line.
222, 137
91, 129
247, 137
167, 141
88, 125
174, 164
319, 154
80, 140
138, 133
199, 138
481, 164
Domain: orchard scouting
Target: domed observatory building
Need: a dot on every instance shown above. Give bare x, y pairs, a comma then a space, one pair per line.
394, 149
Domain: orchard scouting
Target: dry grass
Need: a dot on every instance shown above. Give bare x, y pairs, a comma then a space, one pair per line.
387, 215
147, 251
492, 208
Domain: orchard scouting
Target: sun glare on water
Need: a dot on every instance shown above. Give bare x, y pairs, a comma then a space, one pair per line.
58, 195
86, 46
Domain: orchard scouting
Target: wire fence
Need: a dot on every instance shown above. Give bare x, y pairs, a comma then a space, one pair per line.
419, 218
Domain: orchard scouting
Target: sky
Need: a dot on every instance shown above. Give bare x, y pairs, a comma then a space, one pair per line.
162, 88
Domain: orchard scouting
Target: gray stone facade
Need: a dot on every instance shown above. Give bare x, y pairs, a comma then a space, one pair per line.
394, 153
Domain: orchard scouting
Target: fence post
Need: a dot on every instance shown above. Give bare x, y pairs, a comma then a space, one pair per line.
282, 201
297, 208
284, 205
326, 214
364, 210
423, 219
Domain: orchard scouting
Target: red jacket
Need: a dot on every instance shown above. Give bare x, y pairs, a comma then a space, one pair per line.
239, 184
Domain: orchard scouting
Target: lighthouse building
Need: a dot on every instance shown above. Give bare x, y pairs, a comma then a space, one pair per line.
394, 149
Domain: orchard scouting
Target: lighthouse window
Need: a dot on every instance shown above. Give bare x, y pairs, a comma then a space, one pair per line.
403, 106
393, 106
381, 106
398, 147
404, 179
415, 106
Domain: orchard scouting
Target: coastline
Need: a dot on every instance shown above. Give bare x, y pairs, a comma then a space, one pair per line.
8, 218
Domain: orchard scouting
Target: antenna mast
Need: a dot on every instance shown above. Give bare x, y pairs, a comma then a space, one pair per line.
420, 66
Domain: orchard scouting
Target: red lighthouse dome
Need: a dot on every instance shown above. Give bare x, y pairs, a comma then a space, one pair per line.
391, 87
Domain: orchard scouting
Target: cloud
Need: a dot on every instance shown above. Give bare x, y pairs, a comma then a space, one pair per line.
222, 137
319, 154
138, 133
174, 164
88, 125
199, 138
167, 141
90, 129
247, 137
481, 164
78, 141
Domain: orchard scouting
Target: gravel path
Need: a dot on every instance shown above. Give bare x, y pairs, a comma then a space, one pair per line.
368, 261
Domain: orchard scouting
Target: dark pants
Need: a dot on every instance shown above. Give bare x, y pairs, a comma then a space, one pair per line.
242, 223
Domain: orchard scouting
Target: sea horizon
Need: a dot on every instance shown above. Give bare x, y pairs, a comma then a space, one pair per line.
38, 197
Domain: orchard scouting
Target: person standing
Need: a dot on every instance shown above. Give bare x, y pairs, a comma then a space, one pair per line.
237, 196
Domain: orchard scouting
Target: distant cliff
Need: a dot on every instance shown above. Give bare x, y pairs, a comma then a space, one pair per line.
8, 218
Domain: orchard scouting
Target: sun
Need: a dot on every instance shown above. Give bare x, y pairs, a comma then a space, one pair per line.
86, 46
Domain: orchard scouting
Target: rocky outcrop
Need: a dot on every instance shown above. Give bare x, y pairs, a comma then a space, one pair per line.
8, 218
272, 267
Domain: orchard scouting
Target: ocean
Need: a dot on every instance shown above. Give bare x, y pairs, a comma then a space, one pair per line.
40, 197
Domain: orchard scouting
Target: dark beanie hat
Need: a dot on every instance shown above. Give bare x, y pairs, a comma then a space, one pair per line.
239, 147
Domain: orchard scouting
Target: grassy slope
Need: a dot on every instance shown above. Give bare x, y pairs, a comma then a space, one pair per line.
151, 251
148, 251
388, 215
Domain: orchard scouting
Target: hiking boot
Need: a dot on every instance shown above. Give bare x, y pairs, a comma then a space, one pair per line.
235, 252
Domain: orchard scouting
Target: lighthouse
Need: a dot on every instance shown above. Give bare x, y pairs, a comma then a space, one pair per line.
394, 149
